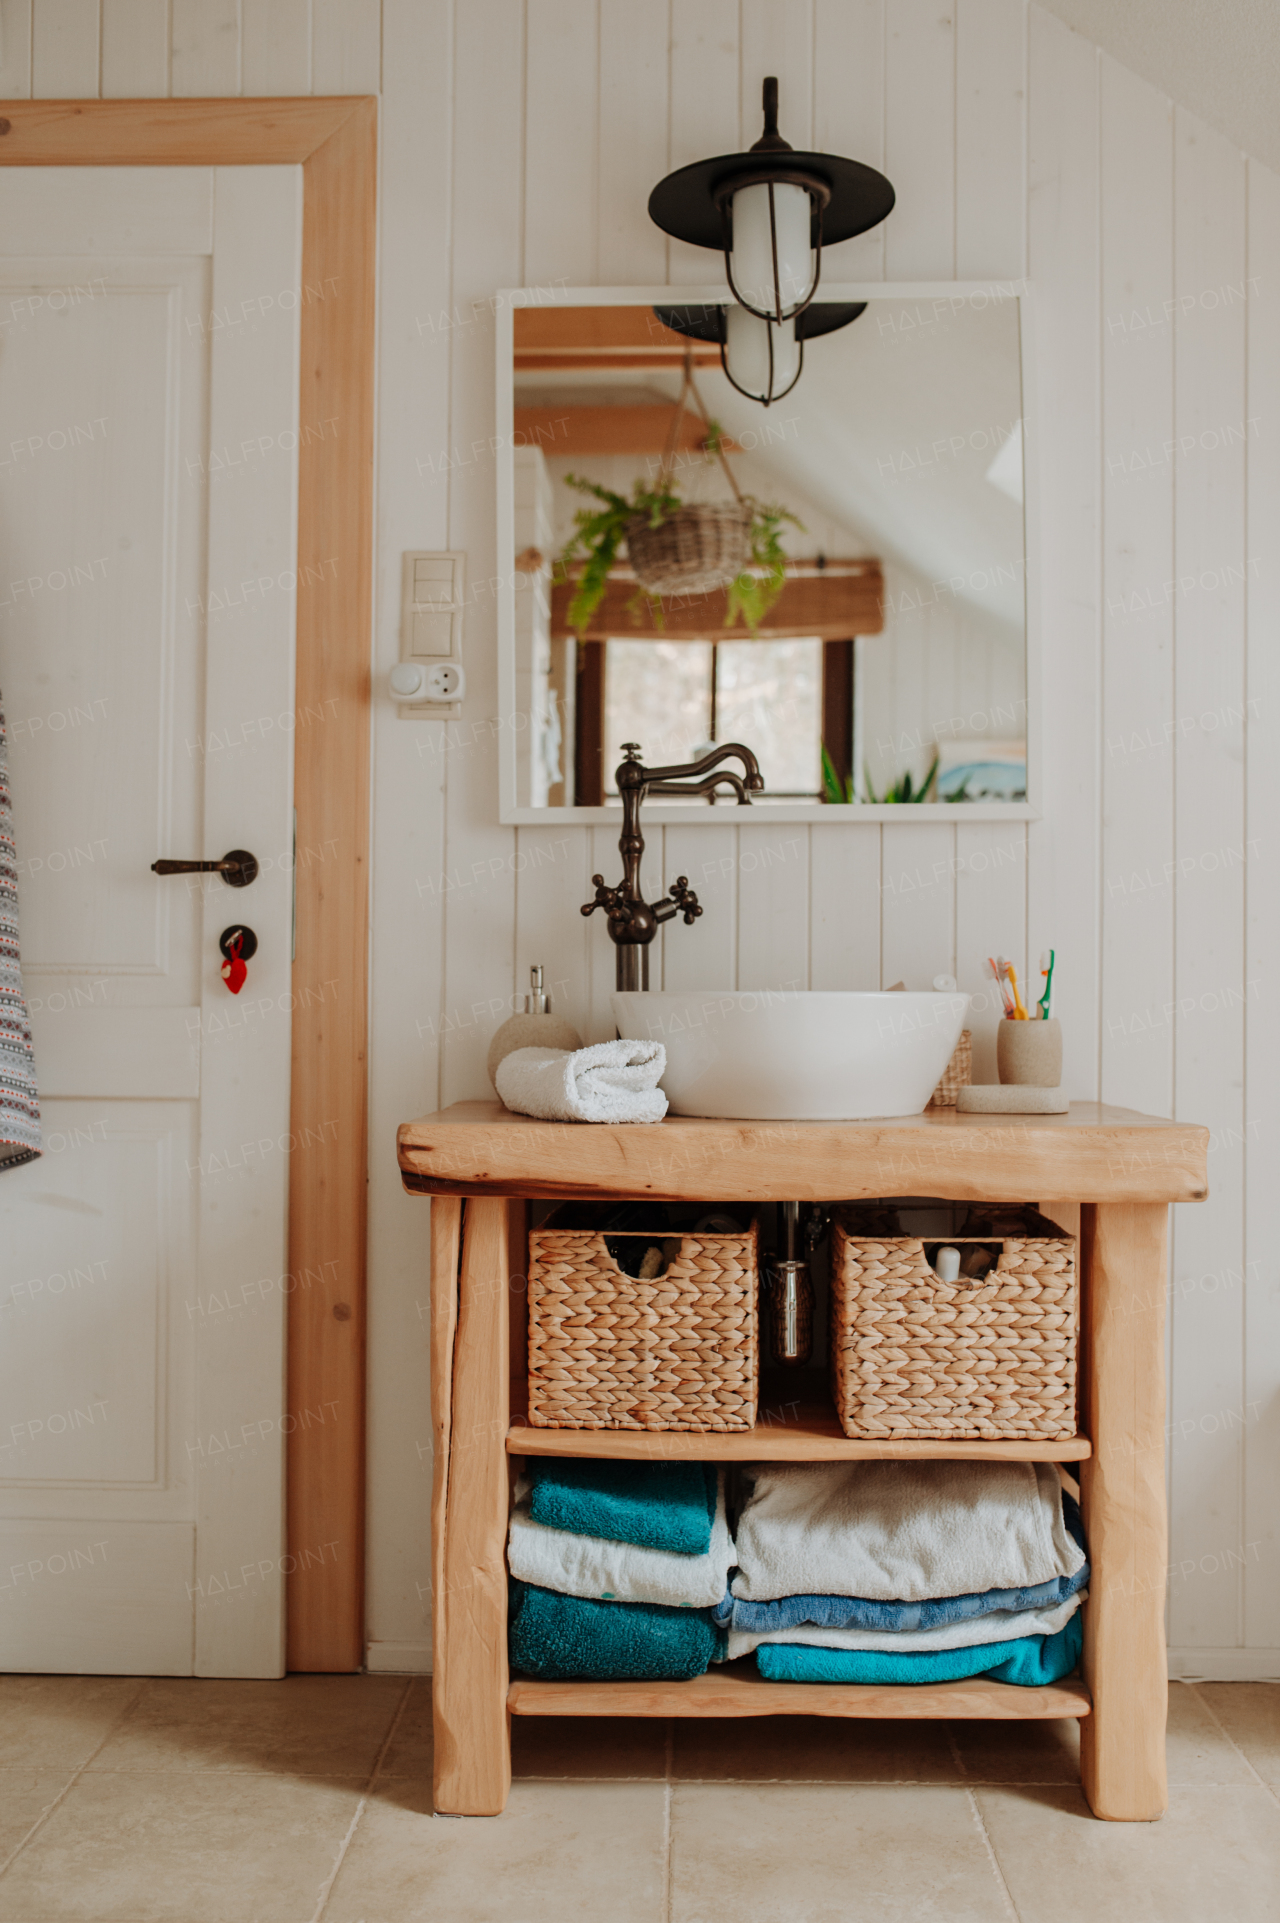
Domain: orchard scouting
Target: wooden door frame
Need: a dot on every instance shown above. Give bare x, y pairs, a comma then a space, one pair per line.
335, 143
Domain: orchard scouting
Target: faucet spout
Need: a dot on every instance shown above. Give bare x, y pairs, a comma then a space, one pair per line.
633, 922
683, 780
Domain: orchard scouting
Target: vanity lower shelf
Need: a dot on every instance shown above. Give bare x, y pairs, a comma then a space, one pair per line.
739, 1690
814, 1435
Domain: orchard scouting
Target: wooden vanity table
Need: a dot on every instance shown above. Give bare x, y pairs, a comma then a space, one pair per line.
1105, 1173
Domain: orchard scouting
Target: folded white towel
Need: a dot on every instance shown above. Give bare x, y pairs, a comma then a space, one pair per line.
1000, 1626
608, 1082
901, 1531
618, 1571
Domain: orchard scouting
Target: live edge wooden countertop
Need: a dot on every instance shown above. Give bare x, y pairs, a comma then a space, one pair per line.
1092, 1154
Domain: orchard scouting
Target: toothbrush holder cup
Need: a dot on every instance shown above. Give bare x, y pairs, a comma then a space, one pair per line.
1029, 1054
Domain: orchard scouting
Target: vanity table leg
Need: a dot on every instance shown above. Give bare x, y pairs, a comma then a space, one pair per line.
446, 1241
469, 1687
1122, 1755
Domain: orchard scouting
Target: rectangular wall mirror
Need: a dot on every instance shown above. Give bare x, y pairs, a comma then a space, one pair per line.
893, 674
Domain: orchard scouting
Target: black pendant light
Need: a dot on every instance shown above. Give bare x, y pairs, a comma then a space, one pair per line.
770, 212
753, 366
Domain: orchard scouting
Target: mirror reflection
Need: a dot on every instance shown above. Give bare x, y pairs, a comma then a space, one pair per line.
837, 581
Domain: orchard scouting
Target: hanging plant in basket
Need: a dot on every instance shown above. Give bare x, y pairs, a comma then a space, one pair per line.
677, 547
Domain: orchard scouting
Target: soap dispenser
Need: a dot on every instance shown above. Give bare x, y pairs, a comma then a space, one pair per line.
536, 1028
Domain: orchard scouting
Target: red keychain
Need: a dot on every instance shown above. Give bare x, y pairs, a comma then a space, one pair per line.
233, 968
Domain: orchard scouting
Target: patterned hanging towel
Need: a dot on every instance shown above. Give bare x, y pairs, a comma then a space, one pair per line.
19, 1102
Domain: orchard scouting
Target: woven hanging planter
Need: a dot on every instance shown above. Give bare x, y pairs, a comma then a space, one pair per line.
697, 548
694, 551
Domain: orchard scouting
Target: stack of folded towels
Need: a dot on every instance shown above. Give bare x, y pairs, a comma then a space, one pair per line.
907, 1572
616, 1569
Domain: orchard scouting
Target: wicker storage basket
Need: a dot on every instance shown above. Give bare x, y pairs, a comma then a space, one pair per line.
694, 551
957, 1074
612, 1351
913, 1356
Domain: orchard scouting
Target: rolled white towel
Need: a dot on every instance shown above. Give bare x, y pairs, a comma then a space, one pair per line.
901, 1531
998, 1626
608, 1082
618, 1571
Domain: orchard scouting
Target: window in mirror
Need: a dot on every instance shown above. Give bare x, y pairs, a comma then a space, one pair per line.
656, 693
679, 698
769, 695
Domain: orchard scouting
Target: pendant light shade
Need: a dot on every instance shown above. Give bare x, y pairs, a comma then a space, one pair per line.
762, 358
770, 212
772, 267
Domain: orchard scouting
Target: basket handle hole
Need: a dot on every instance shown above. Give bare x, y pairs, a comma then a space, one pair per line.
645, 1257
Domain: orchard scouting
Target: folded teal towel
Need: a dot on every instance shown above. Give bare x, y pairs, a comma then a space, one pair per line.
1032, 1661
566, 1638
656, 1505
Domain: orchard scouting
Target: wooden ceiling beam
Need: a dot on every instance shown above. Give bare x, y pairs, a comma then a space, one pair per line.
581, 337
574, 360
583, 431
600, 329
829, 605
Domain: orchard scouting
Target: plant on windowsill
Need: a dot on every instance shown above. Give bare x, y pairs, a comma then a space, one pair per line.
902, 790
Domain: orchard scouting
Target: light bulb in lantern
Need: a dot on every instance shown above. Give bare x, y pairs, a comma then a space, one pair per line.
761, 358
771, 264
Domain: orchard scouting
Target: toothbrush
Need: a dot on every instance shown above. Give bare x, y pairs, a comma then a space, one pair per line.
1001, 967
998, 972
1046, 969
1019, 1012
999, 980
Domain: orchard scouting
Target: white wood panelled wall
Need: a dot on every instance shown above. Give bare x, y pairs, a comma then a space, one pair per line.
519, 144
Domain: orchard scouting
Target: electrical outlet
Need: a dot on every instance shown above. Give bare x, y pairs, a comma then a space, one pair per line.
411, 681
446, 681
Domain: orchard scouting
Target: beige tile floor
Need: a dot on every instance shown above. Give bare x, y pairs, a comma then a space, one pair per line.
212, 1802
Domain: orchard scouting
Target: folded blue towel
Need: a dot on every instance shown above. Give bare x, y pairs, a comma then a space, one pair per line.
1031, 1661
857, 1612
656, 1505
566, 1638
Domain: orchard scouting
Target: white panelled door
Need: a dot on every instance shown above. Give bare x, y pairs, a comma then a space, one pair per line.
149, 386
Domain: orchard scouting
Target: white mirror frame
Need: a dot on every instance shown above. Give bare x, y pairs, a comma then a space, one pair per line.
508, 299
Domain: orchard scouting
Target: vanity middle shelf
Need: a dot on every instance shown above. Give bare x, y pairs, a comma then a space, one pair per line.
810, 1434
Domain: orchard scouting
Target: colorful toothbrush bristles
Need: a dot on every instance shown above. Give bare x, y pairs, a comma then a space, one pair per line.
1005, 996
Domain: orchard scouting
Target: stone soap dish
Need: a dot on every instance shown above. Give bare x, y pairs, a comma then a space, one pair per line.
1010, 1098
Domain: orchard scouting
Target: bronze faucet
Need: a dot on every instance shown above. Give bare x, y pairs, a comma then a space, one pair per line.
633, 922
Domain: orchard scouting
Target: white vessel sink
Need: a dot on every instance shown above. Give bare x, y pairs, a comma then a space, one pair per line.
789, 1056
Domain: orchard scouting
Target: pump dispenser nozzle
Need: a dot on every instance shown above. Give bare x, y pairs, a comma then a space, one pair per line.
536, 1003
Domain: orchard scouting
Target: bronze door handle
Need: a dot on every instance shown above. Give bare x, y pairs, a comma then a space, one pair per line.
237, 868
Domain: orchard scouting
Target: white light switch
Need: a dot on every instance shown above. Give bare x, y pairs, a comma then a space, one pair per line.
432, 633
433, 593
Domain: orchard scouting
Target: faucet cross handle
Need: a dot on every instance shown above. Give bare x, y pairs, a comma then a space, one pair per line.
612, 900
686, 902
